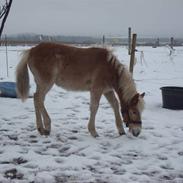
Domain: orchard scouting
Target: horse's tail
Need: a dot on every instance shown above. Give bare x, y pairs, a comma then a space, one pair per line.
22, 77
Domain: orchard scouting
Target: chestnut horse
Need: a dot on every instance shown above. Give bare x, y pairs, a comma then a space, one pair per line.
95, 70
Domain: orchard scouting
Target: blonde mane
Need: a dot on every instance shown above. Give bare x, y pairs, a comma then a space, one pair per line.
126, 82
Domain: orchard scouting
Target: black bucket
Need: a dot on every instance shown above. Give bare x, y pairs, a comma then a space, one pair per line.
172, 97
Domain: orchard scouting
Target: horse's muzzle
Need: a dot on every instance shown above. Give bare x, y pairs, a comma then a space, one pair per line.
136, 131
135, 128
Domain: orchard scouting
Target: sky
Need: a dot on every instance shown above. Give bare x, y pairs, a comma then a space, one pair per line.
148, 18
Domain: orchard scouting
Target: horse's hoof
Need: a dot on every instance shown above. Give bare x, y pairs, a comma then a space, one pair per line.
46, 132
41, 131
122, 133
94, 134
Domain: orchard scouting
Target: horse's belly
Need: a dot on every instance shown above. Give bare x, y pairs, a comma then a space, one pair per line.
74, 84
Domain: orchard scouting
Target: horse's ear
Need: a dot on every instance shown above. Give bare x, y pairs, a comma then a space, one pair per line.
135, 100
143, 94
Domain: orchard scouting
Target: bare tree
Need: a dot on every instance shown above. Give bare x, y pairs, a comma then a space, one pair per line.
4, 11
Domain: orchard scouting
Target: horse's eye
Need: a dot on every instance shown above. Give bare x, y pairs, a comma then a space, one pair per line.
133, 112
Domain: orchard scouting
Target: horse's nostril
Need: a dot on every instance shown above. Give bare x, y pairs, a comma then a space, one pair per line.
136, 132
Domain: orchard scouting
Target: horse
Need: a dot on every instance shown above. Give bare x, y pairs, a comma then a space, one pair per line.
92, 69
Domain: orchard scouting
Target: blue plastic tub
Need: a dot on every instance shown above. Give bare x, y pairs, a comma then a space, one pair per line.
8, 89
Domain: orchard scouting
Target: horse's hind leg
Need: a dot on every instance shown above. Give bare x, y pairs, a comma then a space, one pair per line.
94, 104
42, 118
110, 96
38, 114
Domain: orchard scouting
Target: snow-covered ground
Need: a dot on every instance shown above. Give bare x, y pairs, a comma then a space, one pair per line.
70, 154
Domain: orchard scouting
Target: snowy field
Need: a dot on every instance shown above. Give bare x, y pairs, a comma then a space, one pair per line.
70, 154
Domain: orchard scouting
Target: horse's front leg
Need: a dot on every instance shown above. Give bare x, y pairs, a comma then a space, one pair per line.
95, 96
112, 99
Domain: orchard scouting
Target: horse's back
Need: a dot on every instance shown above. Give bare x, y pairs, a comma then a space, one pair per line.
70, 67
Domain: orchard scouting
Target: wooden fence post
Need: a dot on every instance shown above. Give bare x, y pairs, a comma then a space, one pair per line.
7, 65
132, 58
103, 40
129, 40
171, 42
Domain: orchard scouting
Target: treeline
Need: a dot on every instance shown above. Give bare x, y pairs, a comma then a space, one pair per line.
29, 39
36, 38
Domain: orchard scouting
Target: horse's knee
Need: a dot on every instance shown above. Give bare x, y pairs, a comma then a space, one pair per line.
36, 95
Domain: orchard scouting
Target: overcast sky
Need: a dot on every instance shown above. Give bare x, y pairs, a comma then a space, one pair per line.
96, 17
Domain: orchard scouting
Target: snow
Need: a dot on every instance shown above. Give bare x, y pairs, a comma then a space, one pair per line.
71, 154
